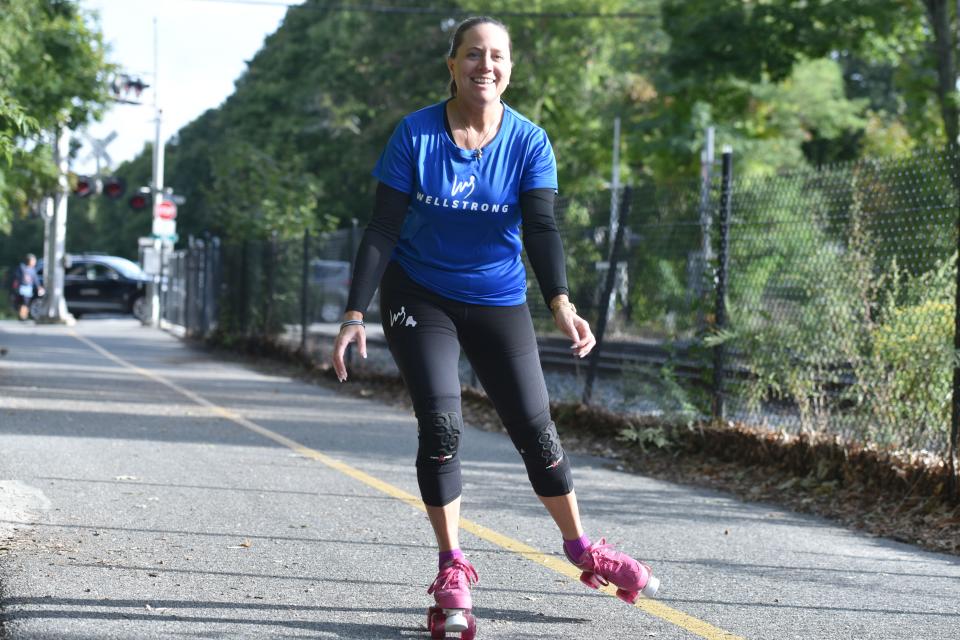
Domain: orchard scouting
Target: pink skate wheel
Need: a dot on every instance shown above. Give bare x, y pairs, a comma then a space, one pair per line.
436, 622
590, 579
471, 631
630, 597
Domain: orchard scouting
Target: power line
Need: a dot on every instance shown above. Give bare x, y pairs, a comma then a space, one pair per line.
414, 10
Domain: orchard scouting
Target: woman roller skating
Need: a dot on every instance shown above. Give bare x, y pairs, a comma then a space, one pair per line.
457, 182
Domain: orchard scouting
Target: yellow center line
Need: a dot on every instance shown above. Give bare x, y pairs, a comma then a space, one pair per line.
653, 607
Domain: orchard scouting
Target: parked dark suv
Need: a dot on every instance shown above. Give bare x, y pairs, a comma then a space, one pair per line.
329, 287
95, 283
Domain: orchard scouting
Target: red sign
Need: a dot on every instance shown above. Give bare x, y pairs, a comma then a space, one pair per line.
166, 210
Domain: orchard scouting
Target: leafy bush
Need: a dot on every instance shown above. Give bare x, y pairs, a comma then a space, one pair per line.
861, 347
904, 382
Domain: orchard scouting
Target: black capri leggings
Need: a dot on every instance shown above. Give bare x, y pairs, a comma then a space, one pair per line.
425, 332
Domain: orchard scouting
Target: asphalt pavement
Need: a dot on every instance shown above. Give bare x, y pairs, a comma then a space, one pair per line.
150, 490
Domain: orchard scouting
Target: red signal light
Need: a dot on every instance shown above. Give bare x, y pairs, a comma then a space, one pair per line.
114, 188
84, 186
138, 202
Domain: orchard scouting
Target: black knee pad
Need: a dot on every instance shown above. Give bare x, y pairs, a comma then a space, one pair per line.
438, 466
546, 462
439, 437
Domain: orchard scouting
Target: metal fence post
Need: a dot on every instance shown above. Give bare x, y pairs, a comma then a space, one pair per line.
196, 258
955, 404
605, 300
189, 289
205, 288
354, 247
244, 298
304, 291
216, 283
268, 255
723, 260
354, 239
163, 285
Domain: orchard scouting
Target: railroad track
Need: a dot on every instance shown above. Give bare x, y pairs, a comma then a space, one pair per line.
688, 362
617, 357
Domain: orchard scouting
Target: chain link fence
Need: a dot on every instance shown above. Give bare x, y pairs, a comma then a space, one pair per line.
842, 287
822, 300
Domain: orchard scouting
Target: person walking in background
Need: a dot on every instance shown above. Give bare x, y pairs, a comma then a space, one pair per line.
25, 286
458, 181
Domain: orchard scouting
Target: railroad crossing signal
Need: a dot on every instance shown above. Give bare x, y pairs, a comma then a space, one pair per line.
113, 187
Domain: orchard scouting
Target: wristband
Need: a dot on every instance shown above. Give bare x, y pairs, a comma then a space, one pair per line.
350, 323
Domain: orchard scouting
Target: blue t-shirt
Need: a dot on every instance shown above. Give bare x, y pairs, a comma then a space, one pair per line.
461, 236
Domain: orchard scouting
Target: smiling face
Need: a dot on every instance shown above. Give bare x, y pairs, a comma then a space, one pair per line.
481, 64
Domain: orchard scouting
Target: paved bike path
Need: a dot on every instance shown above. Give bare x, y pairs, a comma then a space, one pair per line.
149, 490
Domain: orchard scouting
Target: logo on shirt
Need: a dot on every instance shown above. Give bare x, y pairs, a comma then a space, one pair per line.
460, 193
459, 186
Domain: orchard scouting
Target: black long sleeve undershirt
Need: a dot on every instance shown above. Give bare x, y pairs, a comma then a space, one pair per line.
379, 238
541, 239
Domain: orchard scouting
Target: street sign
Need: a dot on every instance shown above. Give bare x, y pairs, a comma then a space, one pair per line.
151, 260
166, 210
164, 229
165, 221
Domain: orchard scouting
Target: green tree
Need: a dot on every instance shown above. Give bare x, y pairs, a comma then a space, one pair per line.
329, 87
942, 27
901, 54
52, 73
262, 197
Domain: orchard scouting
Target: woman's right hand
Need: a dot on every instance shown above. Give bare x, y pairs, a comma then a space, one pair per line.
349, 333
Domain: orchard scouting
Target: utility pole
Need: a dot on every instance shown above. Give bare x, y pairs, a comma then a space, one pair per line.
54, 251
156, 248
698, 273
615, 179
156, 186
614, 209
706, 174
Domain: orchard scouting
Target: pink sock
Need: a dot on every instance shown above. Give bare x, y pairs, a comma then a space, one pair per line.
447, 556
575, 548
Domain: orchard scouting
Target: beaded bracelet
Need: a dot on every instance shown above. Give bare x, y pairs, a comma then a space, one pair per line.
349, 323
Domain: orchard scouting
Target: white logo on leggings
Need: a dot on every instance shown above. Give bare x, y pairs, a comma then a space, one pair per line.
401, 316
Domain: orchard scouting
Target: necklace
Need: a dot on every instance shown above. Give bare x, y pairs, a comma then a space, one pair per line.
477, 150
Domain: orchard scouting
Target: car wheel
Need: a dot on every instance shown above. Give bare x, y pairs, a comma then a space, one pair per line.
140, 308
36, 307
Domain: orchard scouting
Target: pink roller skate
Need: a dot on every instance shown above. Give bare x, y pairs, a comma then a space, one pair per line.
602, 565
451, 590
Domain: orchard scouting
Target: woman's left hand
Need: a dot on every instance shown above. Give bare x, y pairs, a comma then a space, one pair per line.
576, 328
